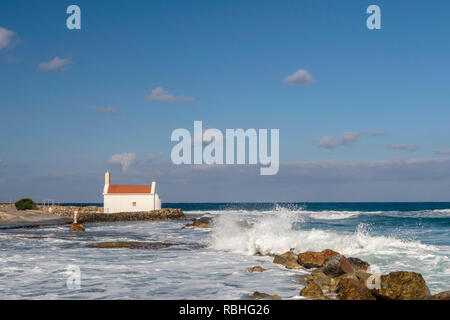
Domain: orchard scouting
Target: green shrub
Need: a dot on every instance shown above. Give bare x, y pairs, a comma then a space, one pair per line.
25, 204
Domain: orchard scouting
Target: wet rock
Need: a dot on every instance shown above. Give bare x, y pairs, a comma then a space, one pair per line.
289, 255
363, 276
312, 291
402, 285
303, 279
76, 227
353, 289
325, 282
311, 259
336, 266
255, 269
288, 259
358, 264
262, 295
133, 245
445, 295
203, 222
279, 260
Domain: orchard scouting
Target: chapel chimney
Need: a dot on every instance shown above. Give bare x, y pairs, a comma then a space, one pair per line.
107, 178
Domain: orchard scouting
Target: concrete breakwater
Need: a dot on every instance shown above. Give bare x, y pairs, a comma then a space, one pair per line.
95, 214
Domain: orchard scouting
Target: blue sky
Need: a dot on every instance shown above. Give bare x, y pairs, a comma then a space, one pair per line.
231, 57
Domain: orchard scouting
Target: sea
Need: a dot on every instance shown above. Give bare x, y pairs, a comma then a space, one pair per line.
52, 263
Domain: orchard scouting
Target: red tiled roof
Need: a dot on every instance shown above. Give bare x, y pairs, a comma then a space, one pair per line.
129, 189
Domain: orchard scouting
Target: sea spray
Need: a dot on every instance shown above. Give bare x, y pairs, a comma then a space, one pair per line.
282, 230
271, 233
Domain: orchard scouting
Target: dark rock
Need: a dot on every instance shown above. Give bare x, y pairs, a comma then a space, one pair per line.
358, 264
255, 269
203, 222
262, 295
329, 283
445, 295
336, 266
311, 259
76, 227
402, 285
133, 245
353, 289
312, 291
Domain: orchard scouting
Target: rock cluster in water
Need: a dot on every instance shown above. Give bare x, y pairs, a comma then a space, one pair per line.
255, 269
335, 276
76, 227
203, 222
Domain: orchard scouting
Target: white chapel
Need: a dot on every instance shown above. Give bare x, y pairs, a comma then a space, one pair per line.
128, 198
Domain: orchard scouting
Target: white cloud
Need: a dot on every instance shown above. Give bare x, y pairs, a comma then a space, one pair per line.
154, 155
56, 64
300, 76
332, 142
159, 94
124, 159
108, 109
346, 138
405, 147
6, 38
442, 151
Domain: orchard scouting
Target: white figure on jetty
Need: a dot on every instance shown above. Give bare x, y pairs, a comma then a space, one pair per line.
75, 226
129, 198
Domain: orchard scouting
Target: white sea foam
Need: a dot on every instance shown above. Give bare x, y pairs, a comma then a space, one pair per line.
275, 234
280, 232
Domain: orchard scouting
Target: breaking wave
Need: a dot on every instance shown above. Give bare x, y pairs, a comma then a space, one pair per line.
283, 230
276, 234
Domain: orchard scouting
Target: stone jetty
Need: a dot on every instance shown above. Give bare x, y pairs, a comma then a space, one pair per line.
92, 214
51, 215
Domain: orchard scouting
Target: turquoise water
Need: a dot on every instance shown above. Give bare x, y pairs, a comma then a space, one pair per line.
210, 264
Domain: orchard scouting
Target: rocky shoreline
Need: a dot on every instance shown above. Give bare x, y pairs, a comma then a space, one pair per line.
337, 277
